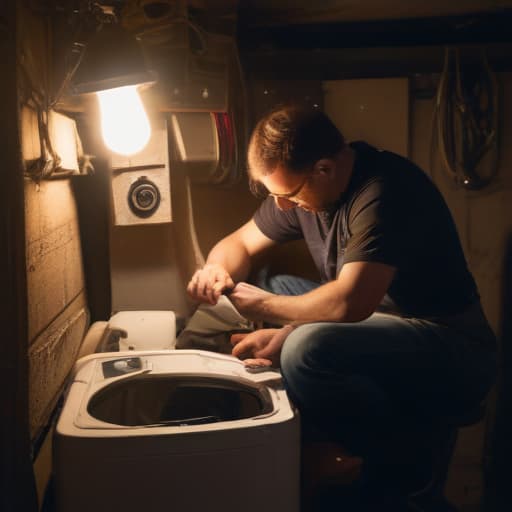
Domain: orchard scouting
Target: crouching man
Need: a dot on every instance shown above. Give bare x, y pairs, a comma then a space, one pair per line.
392, 338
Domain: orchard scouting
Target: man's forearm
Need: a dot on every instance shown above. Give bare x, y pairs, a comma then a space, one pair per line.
353, 297
327, 303
233, 256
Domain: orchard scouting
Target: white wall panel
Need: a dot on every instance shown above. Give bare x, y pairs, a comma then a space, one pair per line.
374, 110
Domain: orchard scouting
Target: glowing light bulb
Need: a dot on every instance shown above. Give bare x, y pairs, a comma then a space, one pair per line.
124, 123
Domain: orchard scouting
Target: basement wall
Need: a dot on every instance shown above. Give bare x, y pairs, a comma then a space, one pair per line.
56, 304
56, 298
484, 222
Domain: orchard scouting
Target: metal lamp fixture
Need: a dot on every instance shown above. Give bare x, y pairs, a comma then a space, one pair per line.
112, 59
113, 67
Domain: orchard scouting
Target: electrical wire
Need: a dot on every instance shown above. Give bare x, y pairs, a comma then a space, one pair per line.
190, 24
48, 165
78, 49
466, 121
241, 132
232, 126
35, 97
231, 140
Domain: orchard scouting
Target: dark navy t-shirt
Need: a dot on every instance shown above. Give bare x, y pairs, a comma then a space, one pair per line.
390, 213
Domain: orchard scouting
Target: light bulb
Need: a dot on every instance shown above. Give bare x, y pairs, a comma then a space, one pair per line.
124, 123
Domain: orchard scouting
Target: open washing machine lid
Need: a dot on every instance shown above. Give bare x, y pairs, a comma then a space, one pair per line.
181, 389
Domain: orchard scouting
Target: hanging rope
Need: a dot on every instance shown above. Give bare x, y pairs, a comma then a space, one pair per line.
466, 120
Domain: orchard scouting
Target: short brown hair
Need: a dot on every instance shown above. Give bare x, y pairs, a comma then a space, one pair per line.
294, 137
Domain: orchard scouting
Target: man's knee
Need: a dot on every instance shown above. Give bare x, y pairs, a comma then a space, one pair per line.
317, 348
294, 349
296, 366
305, 350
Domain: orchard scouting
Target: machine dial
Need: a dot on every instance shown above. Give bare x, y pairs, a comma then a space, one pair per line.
143, 197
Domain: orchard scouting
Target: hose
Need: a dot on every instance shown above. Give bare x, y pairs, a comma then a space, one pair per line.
466, 120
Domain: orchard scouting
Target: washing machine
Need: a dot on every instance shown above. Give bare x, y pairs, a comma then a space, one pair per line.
180, 430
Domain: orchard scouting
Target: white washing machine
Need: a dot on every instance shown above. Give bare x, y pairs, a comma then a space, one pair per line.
184, 431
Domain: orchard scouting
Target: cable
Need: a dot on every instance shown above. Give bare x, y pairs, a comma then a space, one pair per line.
78, 49
48, 165
232, 127
466, 120
36, 98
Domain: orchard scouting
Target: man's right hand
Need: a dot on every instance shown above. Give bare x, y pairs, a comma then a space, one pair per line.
208, 283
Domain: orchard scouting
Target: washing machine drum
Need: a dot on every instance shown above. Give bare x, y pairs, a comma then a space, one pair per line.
150, 400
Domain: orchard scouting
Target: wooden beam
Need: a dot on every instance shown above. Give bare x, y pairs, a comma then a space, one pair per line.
346, 63
17, 489
475, 28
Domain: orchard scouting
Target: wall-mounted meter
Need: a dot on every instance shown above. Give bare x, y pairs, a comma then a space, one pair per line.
141, 189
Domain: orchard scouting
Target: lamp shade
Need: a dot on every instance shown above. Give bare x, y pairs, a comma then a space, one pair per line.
112, 58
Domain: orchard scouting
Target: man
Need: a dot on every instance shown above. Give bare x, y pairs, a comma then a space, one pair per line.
393, 337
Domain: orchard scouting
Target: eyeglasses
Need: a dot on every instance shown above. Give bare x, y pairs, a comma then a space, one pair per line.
294, 192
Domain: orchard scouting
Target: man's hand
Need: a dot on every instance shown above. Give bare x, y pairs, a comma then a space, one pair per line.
262, 346
250, 300
209, 282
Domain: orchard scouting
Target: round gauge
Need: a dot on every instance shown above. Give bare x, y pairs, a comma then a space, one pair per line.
143, 197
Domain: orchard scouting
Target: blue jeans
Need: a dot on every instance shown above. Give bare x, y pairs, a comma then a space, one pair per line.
379, 385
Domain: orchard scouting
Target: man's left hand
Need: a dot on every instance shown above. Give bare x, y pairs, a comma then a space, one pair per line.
262, 346
250, 301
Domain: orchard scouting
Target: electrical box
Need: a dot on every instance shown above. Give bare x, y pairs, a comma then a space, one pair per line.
141, 187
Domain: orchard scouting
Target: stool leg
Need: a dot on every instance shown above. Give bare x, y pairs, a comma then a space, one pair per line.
431, 497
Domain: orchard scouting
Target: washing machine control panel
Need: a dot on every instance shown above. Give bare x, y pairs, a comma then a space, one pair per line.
98, 368
117, 367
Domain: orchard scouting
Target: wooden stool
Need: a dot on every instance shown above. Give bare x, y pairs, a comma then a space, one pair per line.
431, 497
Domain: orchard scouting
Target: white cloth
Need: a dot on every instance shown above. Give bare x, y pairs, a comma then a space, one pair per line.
210, 326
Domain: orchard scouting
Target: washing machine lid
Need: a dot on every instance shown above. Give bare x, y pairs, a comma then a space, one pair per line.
179, 388
200, 362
